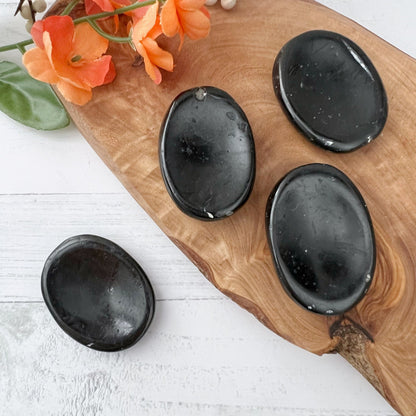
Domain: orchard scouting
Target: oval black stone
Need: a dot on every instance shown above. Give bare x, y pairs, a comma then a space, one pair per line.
321, 237
97, 293
207, 154
331, 90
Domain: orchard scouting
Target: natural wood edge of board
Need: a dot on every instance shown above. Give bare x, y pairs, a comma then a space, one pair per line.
353, 341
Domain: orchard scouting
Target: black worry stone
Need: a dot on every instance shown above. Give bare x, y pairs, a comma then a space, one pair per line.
331, 90
321, 237
97, 293
207, 154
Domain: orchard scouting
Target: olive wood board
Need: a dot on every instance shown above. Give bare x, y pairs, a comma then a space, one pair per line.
122, 124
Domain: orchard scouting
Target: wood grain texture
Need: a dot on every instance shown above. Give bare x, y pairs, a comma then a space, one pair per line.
122, 124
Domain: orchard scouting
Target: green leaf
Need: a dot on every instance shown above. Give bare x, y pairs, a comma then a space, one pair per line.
29, 101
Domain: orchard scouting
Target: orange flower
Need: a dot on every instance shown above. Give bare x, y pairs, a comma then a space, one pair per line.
70, 57
145, 31
186, 17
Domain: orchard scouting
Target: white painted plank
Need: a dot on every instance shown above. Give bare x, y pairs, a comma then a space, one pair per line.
51, 162
392, 21
189, 363
33, 225
45, 162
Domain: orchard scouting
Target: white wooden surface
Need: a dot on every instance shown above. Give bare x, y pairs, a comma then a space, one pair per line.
203, 355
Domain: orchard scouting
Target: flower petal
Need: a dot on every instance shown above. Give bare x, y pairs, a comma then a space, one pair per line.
182, 37
91, 7
61, 33
138, 13
92, 74
145, 25
169, 19
104, 5
88, 43
74, 94
117, 4
205, 11
159, 57
37, 33
156, 30
190, 4
63, 69
195, 24
111, 74
152, 70
37, 64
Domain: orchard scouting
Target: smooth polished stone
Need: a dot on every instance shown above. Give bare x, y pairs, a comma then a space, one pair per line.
97, 293
321, 237
331, 90
207, 154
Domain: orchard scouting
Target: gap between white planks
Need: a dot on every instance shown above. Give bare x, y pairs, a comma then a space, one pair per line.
32, 225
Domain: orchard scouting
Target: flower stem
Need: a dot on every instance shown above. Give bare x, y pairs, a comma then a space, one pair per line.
68, 9
20, 46
21, 49
122, 10
104, 34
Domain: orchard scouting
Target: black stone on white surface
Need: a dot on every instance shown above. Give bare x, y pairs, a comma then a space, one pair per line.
207, 153
97, 293
331, 90
321, 237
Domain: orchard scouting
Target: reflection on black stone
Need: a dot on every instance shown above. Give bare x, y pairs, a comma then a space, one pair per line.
331, 90
97, 293
195, 150
207, 154
321, 238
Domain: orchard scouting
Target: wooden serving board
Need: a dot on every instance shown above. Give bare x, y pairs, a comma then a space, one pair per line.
122, 124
